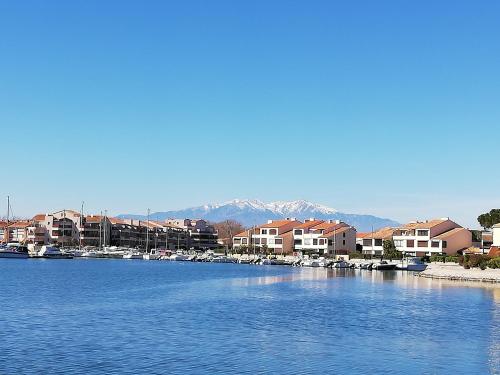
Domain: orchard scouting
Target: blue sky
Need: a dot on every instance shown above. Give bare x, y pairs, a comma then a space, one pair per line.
389, 107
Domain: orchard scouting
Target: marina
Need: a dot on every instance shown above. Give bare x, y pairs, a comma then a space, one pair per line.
107, 315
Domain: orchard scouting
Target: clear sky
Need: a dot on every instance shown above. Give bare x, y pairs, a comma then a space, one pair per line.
384, 107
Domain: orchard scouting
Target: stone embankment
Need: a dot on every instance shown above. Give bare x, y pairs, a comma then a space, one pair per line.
452, 271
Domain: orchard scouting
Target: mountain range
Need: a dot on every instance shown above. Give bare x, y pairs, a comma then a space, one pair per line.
251, 212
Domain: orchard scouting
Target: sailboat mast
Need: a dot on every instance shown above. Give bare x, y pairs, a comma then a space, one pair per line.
63, 228
100, 232
81, 228
8, 209
147, 235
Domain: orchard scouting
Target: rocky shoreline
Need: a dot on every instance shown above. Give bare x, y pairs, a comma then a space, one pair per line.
452, 271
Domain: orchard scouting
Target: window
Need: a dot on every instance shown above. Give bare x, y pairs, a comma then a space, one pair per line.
263, 241
410, 243
297, 232
273, 232
278, 241
257, 241
367, 242
315, 241
435, 244
343, 242
244, 241
422, 232
422, 244
378, 242
343, 234
263, 231
321, 241
298, 242
445, 244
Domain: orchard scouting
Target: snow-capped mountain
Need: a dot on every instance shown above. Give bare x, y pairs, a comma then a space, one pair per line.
253, 212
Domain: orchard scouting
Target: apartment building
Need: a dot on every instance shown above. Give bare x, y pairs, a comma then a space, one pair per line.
3, 231
16, 231
245, 238
202, 236
373, 242
432, 237
95, 231
331, 237
276, 235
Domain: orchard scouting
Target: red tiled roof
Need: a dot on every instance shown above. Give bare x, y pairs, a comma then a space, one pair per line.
309, 224
280, 223
450, 233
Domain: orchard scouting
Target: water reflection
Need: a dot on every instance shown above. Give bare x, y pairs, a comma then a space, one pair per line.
400, 278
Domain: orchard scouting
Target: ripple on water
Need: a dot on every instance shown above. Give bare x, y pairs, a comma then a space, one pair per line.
117, 317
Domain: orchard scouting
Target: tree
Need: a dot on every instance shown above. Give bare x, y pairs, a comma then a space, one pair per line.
489, 219
390, 250
228, 229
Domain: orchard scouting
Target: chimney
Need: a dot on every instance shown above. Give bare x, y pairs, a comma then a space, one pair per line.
269, 221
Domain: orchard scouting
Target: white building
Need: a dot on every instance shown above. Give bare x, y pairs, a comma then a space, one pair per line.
324, 237
496, 234
432, 237
373, 242
276, 235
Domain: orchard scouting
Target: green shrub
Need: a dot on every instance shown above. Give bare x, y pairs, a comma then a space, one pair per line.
494, 263
451, 259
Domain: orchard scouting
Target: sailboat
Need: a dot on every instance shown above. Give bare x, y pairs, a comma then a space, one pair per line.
150, 255
12, 250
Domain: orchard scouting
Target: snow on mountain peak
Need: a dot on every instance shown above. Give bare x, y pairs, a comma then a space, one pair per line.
278, 207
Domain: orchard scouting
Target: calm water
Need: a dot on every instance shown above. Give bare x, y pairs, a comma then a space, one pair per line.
129, 317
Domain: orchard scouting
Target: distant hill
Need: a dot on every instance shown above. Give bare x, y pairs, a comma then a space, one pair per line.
254, 212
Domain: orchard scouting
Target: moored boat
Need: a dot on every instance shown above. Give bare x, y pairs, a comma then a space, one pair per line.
51, 252
414, 264
384, 266
14, 250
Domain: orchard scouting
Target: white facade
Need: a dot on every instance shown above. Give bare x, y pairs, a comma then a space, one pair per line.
496, 234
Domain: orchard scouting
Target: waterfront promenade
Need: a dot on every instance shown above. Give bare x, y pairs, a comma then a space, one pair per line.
453, 271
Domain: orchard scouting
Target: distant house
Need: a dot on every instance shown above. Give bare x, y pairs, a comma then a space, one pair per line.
244, 239
432, 237
276, 235
324, 237
201, 234
373, 242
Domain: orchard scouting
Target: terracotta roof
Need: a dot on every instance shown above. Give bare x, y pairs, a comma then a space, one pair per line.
335, 232
384, 233
309, 224
115, 220
327, 227
20, 224
425, 224
39, 217
280, 223
362, 234
93, 218
450, 233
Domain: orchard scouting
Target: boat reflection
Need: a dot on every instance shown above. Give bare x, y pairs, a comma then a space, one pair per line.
401, 278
